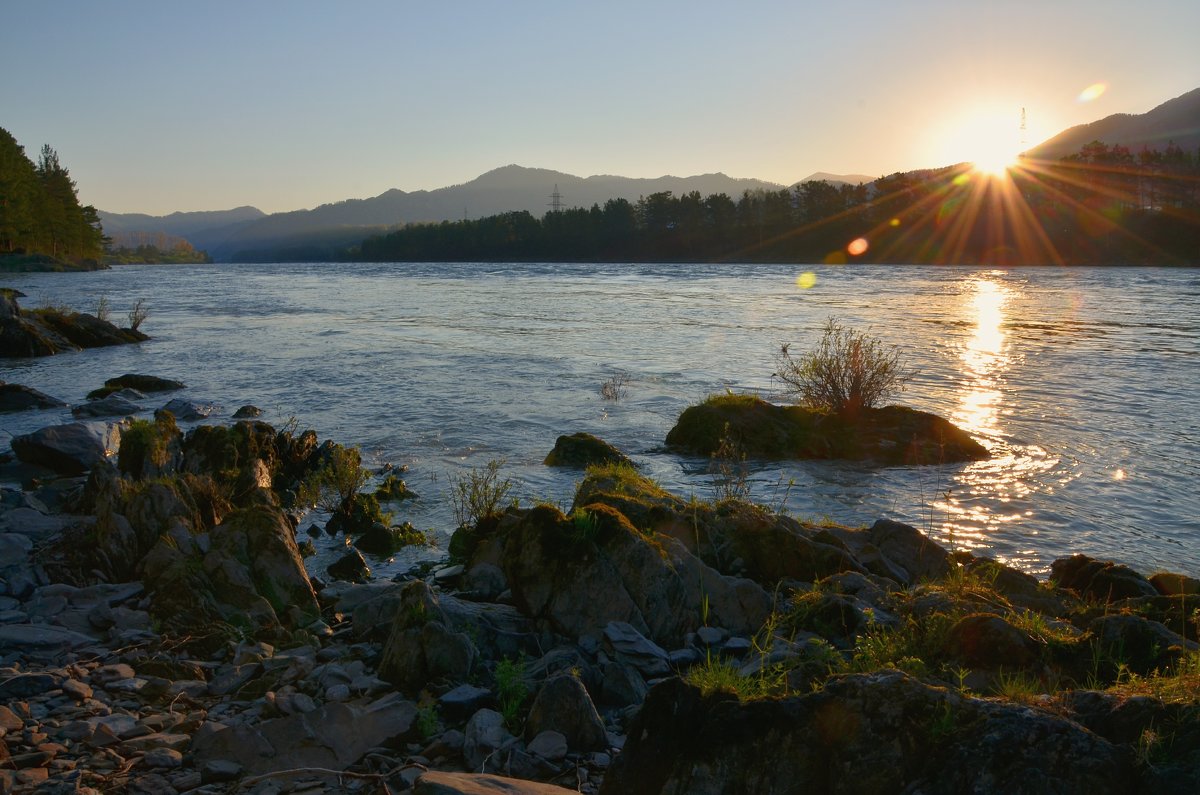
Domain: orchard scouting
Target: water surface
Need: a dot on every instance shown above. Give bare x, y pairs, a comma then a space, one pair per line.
1082, 382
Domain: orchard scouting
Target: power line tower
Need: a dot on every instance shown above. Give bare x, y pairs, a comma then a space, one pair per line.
556, 198
1023, 130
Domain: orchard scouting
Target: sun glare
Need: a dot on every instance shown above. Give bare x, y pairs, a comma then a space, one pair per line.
989, 140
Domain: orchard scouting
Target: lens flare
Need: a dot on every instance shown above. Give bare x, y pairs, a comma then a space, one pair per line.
858, 246
1092, 92
806, 281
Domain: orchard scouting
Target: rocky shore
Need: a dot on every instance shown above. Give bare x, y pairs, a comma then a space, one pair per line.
160, 633
47, 331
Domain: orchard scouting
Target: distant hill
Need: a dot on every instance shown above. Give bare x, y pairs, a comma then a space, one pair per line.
246, 233
1176, 120
848, 179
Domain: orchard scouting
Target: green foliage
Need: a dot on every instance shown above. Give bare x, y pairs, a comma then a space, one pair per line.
584, 527
138, 314
333, 485
1018, 686
393, 489
478, 493
39, 207
511, 690
428, 721
144, 445
846, 372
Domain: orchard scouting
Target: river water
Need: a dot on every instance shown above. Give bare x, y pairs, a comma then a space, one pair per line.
1084, 383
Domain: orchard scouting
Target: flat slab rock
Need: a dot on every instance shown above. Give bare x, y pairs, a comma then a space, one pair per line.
436, 783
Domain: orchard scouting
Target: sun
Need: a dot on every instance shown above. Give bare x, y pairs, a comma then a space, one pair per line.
990, 140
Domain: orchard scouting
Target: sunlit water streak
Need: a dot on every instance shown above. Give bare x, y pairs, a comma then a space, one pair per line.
1083, 383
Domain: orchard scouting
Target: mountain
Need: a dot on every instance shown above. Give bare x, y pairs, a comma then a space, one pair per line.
847, 179
248, 234
177, 224
1176, 120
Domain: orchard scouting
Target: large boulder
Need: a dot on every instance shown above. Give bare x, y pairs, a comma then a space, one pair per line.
867, 733
69, 449
578, 574
437, 782
890, 435
562, 704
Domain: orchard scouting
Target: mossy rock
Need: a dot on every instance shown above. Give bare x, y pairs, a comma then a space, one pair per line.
394, 489
148, 447
358, 517
890, 435
382, 540
581, 450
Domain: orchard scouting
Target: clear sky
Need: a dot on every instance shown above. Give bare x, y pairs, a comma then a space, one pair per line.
162, 106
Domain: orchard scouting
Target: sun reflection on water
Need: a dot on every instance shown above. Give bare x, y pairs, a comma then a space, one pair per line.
987, 495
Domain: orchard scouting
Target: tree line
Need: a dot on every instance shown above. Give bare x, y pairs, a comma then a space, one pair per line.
40, 211
1102, 205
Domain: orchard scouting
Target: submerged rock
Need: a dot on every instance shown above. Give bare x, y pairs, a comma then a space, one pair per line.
142, 383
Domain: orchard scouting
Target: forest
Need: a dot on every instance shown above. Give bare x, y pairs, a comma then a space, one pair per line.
1102, 205
40, 212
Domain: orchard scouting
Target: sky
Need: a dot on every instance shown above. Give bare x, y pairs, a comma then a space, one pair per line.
160, 106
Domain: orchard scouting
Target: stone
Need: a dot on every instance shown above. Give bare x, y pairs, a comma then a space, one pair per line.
1104, 581
333, 736
440, 783
247, 412
30, 684
461, 702
484, 734
163, 757
1169, 584
623, 684
633, 647
216, 771
77, 690
549, 745
189, 410
15, 397
1140, 643
351, 567
421, 646
111, 406
581, 450
70, 449
562, 704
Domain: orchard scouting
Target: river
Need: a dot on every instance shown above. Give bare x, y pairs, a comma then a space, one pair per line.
1083, 382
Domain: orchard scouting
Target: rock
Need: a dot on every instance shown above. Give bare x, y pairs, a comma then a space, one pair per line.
983, 640
189, 410
563, 705
142, 383
634, 648
332, 736
1169, 584
581, 450
168, 758
77, 690
486, 581
247, 412
577, 583
421, 646
1143, 645
216, 771
111, 406
351, 567
889, 435
1103, 581
27, 685
463, 701
484, 735
40, 639
69, 449
863, 733
549, 745
440, 783
15, 397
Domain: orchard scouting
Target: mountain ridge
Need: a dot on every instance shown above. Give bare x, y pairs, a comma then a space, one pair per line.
1176, 120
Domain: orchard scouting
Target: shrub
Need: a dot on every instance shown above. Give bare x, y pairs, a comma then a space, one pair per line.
730, 475
478, 493
333, 485
138, 314
511, 690
848, 371
615, 387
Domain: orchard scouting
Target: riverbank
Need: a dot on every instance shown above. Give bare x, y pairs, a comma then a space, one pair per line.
161, 633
